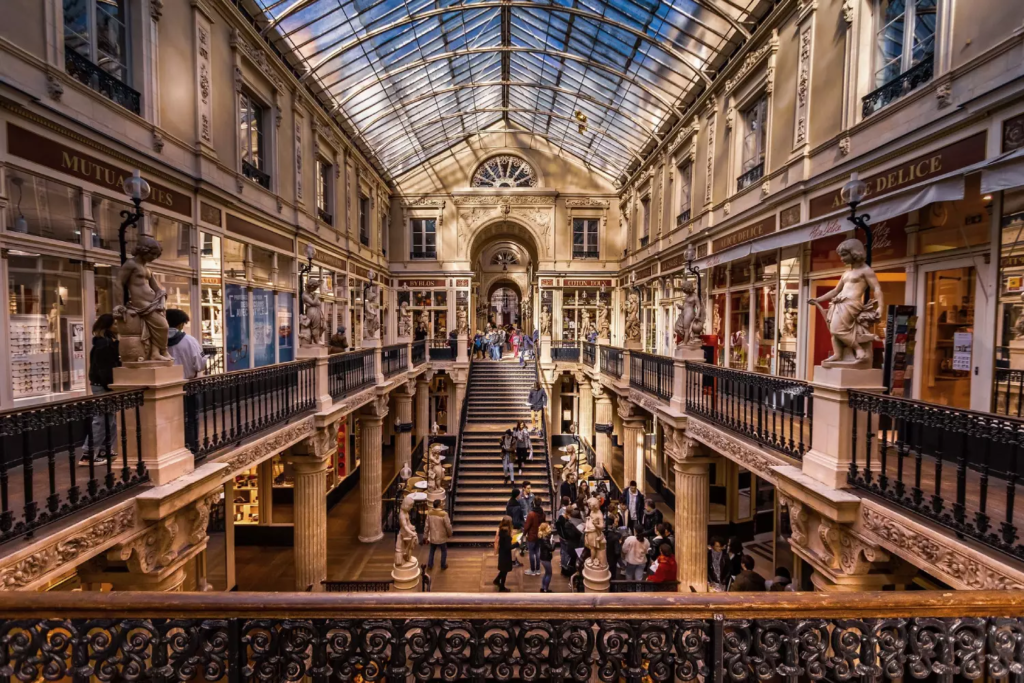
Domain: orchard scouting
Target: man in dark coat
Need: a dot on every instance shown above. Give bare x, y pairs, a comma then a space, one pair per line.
747, 579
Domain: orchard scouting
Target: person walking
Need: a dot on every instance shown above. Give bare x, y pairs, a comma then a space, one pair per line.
538, 400
664, 569
718, 565
547, 551
508, 447
531, 529
634, 501
570, 539
517, 339
183, 347
104, 356
634, 554
524, 445
527, 499
439, 530
503, 549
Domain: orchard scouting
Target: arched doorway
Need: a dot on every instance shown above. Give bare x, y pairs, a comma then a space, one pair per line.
504, 299
504, 256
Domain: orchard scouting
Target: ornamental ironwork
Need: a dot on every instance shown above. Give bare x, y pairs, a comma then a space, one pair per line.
504, 171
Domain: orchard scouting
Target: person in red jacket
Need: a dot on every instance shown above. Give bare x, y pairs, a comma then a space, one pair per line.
530, 529
666, 570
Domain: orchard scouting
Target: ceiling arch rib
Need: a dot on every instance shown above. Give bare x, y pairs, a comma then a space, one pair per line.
395, 68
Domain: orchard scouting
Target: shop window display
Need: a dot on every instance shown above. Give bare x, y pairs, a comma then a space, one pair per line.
960, 224
263, 327
739, 329
48, 343
718, 327
212, 302
285, 330
948, 337
246, 503
39, 206
174, 236
1010, 317
579, 311
429, 312
107, 219
237, 327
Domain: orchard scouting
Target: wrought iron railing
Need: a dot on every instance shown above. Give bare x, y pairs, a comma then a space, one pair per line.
652, 374
394, 360
441, 349
1009, 392
419, 352
364, 238
611, 361
622, 586
589, 354
957, 467
222, 410
545, 436
453, 490
683, 218
898, 87
644, 241
394, 637
750, 177
566, 351
324, 216
256, 175
787, 364
114, 89
350, 373
585, 253
56, 439
772, 411
417, 254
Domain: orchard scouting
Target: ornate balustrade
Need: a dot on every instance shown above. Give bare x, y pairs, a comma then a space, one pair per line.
898, 87
611, 361
750, 177
394, 359
419, 353
565, 351
589, 354
256, 175
224, 409
957, 467
52, 438
97, 78
711, 638
773, 411
441, 349
787, 364
350, 373
652, 374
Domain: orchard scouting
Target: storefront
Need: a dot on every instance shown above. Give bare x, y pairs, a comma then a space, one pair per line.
426, 299
578, 306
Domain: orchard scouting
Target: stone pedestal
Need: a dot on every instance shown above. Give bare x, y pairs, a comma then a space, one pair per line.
463, 355
407, 578
310, 521
545, 350
321, 384
370, 528
596, 579
585, 420
602, 426
161, 430
436, 495
1017, 354
692, 516
831, 453
378, 371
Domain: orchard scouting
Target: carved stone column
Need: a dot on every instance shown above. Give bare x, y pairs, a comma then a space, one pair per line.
309, 461
403, 424
632, 444
692, 513
603, 425
370, 476
585, 419
422, 407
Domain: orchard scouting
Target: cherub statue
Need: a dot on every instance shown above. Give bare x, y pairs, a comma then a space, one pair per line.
593, 536
405, 542
850, 320
689, 317
311, 323
404, 320
462, 321
435, 470
545, 322
603, 325
585, 326
371, 307
143, 317
633, 317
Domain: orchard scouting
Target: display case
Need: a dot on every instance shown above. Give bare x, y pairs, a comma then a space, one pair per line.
246, 503
31, 355
739, 329
579, 311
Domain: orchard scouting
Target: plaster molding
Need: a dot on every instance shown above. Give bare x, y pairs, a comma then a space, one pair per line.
258, 57
752, 60
734, 449
643, 400
626, 410
586, 202
171, 538
497, 200
248, 455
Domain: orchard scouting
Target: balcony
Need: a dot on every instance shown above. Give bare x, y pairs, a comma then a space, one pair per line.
750, 177
651, 374
255, 175
323, 216
394, 360
585, 253
644, 241
350, 373
424, 255
84, 71
419, 353
683, 218
589, 354
565, 351
441, 349
898, 87
364, 238
611, 362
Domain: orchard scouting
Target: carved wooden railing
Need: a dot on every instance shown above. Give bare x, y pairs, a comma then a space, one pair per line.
941, 636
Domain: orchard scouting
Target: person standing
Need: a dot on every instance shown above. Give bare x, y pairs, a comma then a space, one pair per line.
634, 554
503, 549
439, 530
747, 579
104, 356
666, 569
718, 565
634, 501
531, 529
524, 445
527, 500
508, 446
538, 400
650, 518
517, 339
547, 551
183, 347
514, 510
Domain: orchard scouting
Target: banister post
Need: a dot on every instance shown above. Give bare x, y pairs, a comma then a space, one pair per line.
321, 379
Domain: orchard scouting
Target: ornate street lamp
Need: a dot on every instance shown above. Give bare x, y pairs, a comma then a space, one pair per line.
690, 254
853, 193
136, 187
303, 272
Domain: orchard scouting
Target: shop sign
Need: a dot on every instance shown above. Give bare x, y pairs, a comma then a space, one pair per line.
890, 241
325, 257
422, 284
962, 342
1011, 262
244, 228
946, 160
359, 270
586, 283
211, 281
462, 283
547, 283
209, 214
50, 153
644, 272
672, 263
751, 232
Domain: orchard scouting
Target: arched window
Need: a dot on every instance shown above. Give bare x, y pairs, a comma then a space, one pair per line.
504, 171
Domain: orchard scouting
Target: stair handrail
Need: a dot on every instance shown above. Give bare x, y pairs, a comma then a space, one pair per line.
547, 444
458, 446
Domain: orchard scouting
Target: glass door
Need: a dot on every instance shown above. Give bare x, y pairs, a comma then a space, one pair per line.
948, 336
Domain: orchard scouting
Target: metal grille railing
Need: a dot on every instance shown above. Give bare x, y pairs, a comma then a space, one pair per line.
565, 351
394, 360
111, 87
899, 86
419, 352
589, 354
349, 373
652, 374
611, 361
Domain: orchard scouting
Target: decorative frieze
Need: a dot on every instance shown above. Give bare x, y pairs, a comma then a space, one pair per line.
248, 455
204, 79
710, 180
298, 159
258, 57
737, 451
751, 60
646, 402
586, 202
492, 200
803, 83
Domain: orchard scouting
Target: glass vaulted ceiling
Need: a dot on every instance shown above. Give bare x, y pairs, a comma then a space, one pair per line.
415, 77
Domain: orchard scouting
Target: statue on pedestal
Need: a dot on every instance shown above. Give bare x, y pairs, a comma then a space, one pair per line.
545, 322
142, 320
585, 326
405, 543
633, 317
404, 320
689, 317
462, 321
371, 307
593, 537
850, 320
435, 473
603, 324
311, 322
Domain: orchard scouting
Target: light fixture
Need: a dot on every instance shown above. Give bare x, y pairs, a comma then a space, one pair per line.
987, 198
853, 193
854, 190
690, 253
20, 224
136, 187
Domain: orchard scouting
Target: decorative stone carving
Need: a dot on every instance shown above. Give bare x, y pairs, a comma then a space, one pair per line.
797, 520
632, 328
311, 322
689, 317
244, 457
626, 410
404, 320
491, 200
641, 399
748, 456
730, 118
156, 9
586, 202
710, 180
158, 141
405, 540
545, 321
844, 145
848, 11
850, 320
727, 209
258, 57
751, 60
53, 87
766, 188
678, 446
944, 94
378, 407
143, 318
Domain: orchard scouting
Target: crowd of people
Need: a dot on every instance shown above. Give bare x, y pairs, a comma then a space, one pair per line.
498, 340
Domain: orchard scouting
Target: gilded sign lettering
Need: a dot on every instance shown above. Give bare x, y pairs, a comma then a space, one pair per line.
751, 232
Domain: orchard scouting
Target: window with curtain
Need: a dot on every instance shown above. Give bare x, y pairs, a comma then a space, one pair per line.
424, 238
584, 238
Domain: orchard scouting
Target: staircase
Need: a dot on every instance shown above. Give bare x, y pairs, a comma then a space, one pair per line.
495, 401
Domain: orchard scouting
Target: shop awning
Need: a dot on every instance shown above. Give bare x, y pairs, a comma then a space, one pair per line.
999, 173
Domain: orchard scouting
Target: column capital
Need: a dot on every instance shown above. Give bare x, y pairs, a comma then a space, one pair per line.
376, 409
600, 393
406, 390
629, 411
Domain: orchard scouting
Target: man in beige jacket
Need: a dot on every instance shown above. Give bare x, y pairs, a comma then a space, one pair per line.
438, 531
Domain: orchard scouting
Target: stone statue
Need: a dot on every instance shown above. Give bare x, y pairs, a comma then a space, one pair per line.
633, 317
435, 472
585, 325
406, 472
525, 309
593, 536
689, 317
405, 542
850, 320
404, 320
143, 317
789, 322
311, 322
604, 329
545, 322
371, 308
462, 321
